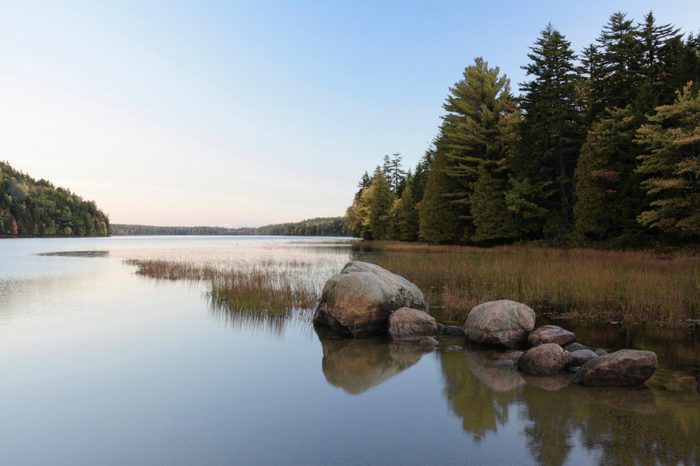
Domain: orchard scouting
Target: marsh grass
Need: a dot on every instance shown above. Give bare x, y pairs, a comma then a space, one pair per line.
270, 286
638, 286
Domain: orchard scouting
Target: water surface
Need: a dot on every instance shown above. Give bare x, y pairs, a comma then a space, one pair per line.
101, 366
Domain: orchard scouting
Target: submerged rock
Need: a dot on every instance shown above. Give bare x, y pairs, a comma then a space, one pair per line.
624, 368
454, 348
580, 357
546, 359
550, 334
406, 323
451, 330
357, 302
575, 347
502, 323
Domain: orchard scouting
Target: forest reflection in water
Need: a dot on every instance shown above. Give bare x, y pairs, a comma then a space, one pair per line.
623, 426
626, 426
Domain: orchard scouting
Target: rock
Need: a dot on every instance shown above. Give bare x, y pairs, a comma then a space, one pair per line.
454, 348
580, 357
452, 331
500, 323
550, 334
601, 352
545, 359
575, 347
624, 368
357, 302
406, 323
573, 368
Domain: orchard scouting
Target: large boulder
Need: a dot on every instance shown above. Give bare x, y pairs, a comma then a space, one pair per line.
624, 368
546, 359
357, 302
502, 323
550, 334
410, 324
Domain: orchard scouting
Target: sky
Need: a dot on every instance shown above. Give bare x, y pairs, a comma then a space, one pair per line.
244, 113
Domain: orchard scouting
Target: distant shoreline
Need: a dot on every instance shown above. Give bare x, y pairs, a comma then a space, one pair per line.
321, 226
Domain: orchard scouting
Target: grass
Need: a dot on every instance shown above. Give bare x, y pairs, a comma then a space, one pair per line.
637, 286
273, 287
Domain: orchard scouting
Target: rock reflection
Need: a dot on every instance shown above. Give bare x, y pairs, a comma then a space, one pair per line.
640, 400
479, 390
358, 365
563, 423
551, 383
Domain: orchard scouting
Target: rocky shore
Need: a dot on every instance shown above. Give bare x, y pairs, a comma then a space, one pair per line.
364, 300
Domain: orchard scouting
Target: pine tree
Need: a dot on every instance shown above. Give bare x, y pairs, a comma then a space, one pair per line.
420, 175
670, 165
380, 200
659, 58
397, 175
618, 64
473, 131
438, 216
407, 214
493, 221
608, 199
551, 132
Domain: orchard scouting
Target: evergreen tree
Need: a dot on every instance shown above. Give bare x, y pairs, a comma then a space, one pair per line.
438, 216
407, 214
608, 198
670, 165
551, 132
380, 200
618, 66
395, 173
420, 175
473, 131
659, 58
493, 221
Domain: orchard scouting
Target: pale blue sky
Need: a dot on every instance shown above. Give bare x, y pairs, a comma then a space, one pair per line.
246, 113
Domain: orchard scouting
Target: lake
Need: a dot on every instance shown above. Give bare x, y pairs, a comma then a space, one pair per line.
99, 365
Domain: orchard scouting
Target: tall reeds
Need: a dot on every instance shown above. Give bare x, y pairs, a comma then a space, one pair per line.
584, 283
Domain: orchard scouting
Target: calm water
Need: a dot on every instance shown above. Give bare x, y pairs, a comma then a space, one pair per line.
101, 366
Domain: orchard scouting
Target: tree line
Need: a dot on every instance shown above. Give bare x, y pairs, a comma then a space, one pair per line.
37, 208
601, 146
321, 226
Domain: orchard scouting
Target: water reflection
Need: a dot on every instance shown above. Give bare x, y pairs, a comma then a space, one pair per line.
626, 426
358, 365
478, 390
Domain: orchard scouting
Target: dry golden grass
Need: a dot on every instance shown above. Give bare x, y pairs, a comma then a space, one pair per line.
270, 287
585, 283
